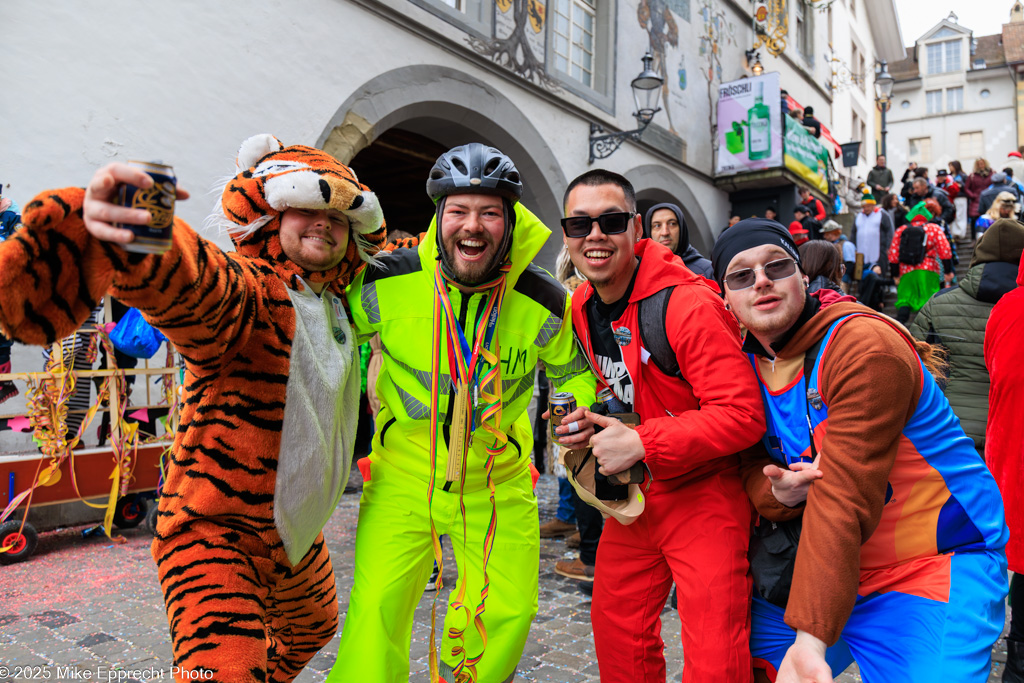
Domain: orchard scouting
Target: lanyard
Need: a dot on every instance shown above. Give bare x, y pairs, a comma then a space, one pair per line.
465, 371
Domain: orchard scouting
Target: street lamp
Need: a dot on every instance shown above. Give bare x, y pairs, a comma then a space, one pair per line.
646, 93
754, 62
883, 94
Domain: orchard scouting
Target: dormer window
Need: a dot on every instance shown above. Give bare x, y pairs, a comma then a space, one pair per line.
978, 63
944, 57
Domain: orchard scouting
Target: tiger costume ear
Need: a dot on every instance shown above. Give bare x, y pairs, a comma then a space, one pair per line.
255, 148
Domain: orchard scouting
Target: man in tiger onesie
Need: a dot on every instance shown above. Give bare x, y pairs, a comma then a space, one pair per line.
463, 319
271, 389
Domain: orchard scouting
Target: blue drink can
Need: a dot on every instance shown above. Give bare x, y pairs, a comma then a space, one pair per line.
154, 237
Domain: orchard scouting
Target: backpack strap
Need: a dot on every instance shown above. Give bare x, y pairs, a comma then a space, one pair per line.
810, 358
652, 313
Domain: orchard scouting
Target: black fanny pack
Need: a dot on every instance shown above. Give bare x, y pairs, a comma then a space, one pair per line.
772, 558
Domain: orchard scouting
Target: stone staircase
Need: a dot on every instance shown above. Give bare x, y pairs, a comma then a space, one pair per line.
964, 250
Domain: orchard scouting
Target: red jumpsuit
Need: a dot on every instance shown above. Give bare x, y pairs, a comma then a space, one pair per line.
695, 529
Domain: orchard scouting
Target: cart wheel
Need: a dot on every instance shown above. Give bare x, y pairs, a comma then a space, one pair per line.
151, 519
23, 544
130, 511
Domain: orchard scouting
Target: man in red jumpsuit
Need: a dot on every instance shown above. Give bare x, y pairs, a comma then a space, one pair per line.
696, 525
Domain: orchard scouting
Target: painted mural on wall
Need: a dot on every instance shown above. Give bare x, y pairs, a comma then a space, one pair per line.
717, 32
656, 18
519, 41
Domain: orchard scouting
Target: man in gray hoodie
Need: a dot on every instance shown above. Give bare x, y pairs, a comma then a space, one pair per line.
666, 224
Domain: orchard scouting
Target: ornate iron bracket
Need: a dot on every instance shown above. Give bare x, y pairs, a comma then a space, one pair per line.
603, 145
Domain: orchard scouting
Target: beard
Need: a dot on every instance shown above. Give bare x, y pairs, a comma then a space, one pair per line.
473, 272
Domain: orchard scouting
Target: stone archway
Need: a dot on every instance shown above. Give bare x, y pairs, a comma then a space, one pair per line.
451, 107
655, 184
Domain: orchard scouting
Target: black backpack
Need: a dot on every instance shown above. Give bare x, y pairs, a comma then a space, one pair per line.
913, 245
653, 336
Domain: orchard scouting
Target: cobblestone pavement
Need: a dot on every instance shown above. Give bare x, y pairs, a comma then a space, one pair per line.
89, 605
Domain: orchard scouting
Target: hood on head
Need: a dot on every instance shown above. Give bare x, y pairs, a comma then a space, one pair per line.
1002, 242
271, 178
684, 232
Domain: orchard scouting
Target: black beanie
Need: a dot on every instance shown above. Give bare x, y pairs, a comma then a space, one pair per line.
747, 234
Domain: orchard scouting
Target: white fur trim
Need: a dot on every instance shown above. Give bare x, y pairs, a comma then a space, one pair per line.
295, 187
368, 216
255, 148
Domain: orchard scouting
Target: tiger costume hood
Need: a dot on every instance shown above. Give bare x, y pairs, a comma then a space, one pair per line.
271, 178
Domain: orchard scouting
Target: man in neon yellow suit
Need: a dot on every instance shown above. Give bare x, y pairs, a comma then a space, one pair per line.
463, 319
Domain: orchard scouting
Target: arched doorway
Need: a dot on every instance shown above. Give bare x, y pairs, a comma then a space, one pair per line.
417, 112
395, 167
656, 184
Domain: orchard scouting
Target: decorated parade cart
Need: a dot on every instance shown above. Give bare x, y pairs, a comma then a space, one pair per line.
124, 474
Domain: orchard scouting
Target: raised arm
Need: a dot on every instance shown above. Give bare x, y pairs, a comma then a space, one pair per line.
68, 256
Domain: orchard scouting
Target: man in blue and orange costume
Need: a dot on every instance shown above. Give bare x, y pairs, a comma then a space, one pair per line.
900, 563
463, 319
268, 412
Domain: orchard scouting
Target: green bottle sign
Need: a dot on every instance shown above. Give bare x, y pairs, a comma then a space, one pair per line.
759, 137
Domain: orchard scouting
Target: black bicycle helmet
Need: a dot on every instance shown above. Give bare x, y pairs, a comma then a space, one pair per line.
475, 168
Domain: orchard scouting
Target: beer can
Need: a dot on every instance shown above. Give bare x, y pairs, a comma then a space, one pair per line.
560, 405
154, 237
611, 401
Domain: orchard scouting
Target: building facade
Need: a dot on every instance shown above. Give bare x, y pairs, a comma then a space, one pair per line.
864, 32
955, 98
385, 84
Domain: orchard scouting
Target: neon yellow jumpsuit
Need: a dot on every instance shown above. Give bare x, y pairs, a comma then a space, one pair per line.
394, 553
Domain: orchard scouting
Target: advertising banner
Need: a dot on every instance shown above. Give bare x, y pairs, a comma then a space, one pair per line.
805, 156
749, 125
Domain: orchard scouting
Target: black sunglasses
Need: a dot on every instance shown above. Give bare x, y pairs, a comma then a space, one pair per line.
610, 224
746, 277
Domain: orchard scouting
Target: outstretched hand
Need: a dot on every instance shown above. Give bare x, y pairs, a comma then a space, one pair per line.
101, 210
616, 447
790, 486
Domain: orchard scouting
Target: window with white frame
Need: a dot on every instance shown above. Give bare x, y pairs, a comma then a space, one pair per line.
862, 71
933, 102
573, 30
954, 99
859, 132
944, 57
857, 65
459, 5
805, 29
972, 145
921, 150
